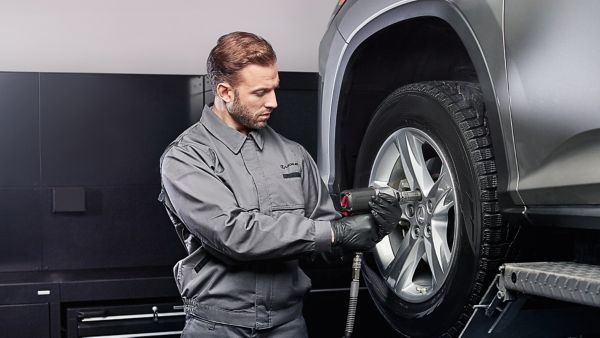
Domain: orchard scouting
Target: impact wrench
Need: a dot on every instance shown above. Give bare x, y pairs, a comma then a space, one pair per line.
355, 201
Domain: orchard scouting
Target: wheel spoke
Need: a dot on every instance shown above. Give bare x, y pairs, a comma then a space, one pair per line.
439, 228
443, 203
407, 272
435, 261
410, 147
440, 245
441, 185
379, 184
395, 268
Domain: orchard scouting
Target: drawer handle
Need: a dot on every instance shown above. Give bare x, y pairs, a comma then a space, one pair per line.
101, 318
43, 292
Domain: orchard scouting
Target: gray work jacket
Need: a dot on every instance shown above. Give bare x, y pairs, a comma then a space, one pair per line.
246, 208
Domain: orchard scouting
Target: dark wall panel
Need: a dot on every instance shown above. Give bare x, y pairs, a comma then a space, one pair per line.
20, 230
19, 142
103, 134
297, 111
109, 129
295, 118
122, 227
106, 133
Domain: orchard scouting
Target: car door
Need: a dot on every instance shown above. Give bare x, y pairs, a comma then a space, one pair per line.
552, 51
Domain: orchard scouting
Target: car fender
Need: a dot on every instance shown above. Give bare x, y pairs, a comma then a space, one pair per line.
486, 52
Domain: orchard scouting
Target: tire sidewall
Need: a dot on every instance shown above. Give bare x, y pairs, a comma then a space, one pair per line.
421, 111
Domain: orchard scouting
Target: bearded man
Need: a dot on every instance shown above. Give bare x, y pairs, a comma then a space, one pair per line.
247, 203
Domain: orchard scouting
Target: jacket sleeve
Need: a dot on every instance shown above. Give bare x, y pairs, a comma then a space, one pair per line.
210, 211
319, 205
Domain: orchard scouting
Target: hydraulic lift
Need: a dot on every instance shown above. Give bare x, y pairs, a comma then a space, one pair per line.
570, 306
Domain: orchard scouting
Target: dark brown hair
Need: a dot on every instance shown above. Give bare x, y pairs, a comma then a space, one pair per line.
235, 51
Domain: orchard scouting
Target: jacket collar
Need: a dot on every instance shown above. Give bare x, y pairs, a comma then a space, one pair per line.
233, 139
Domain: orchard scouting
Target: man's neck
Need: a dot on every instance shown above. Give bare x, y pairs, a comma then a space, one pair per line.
220, 109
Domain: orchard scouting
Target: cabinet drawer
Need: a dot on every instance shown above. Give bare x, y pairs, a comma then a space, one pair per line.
28, 293
30, 320
162, 319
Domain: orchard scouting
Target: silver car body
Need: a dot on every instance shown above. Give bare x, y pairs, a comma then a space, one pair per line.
536, 64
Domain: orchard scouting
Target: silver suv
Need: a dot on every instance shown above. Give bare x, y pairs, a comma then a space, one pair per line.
489, 109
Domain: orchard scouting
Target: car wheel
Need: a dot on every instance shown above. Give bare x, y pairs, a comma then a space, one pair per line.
432, 137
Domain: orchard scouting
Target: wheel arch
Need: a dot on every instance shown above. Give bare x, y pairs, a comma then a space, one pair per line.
436, 33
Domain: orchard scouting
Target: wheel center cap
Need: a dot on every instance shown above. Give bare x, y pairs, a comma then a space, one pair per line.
421, 215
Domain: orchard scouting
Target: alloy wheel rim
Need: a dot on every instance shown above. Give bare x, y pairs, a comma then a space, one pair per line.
416, 262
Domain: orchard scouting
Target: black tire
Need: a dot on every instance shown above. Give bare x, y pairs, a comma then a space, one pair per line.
453, 114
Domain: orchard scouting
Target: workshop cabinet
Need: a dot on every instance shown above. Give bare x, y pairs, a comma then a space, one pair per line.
25, 320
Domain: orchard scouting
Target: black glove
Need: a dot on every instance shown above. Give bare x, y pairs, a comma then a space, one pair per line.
387, 213
354, 233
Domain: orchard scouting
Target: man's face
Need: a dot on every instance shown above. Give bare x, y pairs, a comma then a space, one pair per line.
254, 96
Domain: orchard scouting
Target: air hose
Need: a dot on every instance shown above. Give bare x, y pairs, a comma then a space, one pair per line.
354, 287
357, 201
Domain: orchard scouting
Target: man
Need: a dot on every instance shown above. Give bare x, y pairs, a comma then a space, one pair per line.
247, 203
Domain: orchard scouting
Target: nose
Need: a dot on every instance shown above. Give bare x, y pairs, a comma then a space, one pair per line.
271, 100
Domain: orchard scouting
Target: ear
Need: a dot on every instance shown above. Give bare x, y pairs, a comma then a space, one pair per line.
225, 92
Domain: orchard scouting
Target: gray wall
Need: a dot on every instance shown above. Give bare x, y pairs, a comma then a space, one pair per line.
149, 36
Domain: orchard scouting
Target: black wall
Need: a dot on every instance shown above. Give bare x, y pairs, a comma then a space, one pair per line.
104, 134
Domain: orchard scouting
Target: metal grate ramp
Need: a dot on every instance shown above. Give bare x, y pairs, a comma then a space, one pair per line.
564, 281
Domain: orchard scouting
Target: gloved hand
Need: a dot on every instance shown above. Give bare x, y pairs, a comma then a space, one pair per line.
387, 213
354, 233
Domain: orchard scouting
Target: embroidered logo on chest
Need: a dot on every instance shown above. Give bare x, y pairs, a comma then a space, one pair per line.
291, 174
285, 166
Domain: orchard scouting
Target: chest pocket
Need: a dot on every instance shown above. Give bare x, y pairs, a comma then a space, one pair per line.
285, 187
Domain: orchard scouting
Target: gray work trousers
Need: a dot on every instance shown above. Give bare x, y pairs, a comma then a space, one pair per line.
198, 327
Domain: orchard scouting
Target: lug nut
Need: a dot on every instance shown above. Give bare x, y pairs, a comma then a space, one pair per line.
416, 231
429, 206
410, 210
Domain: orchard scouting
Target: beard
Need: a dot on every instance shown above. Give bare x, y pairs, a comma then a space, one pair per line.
242, 115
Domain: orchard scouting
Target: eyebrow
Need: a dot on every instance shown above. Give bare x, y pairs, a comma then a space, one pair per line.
266, 88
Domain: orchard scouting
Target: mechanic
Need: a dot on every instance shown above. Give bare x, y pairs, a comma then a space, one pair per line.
247, 203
